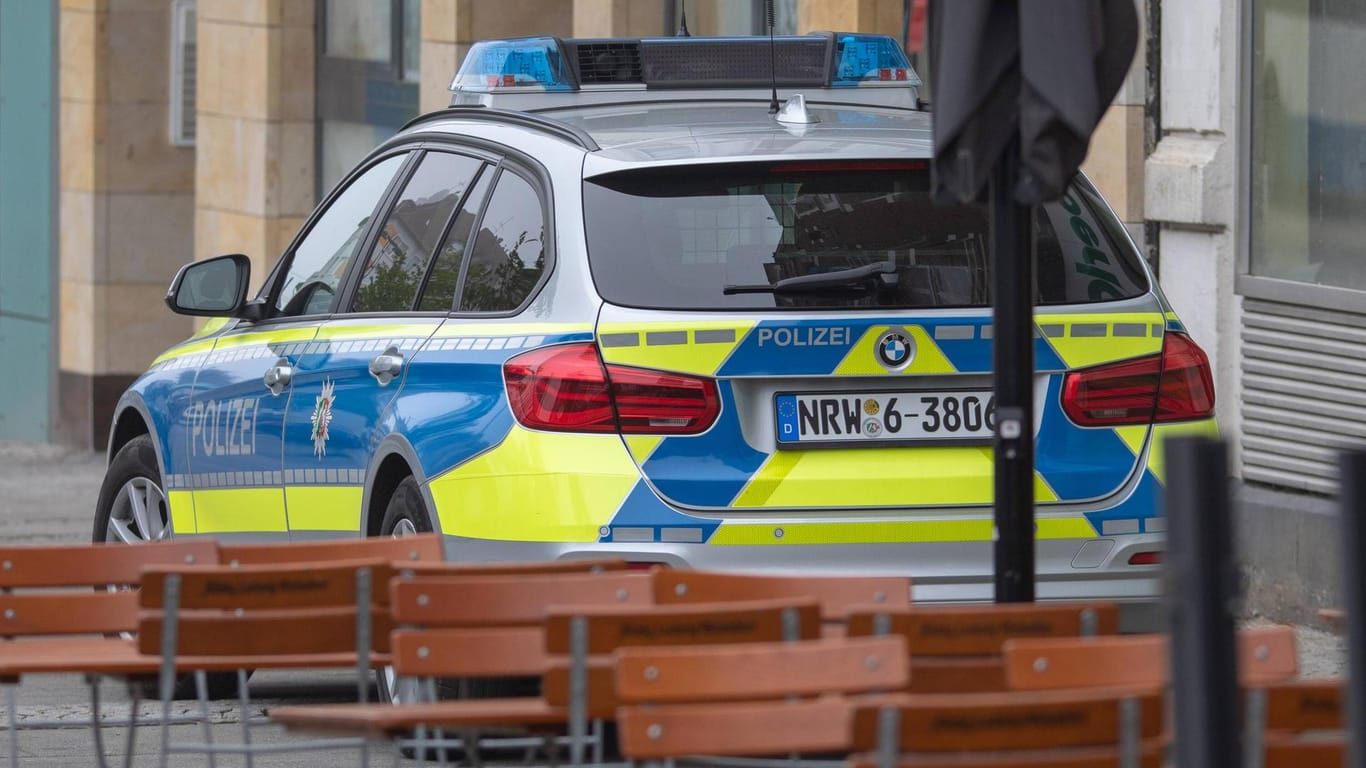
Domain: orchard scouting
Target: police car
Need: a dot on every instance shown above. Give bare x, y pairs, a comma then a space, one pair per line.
611, 303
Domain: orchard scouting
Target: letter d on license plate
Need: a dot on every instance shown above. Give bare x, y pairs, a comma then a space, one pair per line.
882, 417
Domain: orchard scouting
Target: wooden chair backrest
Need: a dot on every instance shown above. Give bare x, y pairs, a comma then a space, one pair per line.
1328, 752
837, 595
1264, 656
427, 569
232, 639
1014, 720
423, 547
97, 565
1306, 705
610, 628
466, 652
1152, 754
980, 630
330, 584
492, 601
757, 671
68, 613
747, 729
601, 674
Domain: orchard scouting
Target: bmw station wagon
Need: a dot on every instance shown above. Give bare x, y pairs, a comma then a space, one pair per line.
607, 303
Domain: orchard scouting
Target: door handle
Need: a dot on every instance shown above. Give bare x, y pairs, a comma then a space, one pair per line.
386, 367
279, 376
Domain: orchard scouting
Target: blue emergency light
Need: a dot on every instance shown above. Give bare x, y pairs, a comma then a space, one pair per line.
817, 60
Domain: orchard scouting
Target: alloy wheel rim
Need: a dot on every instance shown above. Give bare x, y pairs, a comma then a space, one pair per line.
140, 513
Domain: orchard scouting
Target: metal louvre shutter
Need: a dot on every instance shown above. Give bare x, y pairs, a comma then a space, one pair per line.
1304, 393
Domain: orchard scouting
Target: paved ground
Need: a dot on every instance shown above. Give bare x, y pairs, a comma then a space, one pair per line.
47, 494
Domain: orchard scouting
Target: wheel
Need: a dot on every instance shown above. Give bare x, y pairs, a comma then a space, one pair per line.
406, 515
132, 506
132, 509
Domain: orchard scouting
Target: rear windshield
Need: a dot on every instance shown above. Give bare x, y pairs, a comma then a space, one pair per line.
761, 236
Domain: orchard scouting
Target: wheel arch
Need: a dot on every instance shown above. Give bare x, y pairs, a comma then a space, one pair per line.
131, 420
394, 460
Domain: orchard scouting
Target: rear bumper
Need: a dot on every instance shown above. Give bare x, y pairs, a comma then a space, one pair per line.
1068, 569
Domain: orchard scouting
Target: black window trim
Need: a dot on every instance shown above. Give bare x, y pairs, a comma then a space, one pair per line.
542, 190
484, 168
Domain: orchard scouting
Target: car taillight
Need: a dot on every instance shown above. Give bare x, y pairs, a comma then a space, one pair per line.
1175, 385
1146, 558
568, 389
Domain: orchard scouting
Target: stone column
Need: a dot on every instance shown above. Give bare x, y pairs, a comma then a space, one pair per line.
880, 16
254, 176
449, 27
126, 207
1190, 187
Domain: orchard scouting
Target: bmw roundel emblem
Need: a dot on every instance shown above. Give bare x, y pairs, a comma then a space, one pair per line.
895, 349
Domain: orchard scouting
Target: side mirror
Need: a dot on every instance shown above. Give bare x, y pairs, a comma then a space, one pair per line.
214, 287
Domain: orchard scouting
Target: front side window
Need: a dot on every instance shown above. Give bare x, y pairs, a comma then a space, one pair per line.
398, 260
508, 256
320, 261
848, 235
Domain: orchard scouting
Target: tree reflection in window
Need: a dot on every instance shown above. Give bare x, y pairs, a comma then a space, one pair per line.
398, 261
508, 256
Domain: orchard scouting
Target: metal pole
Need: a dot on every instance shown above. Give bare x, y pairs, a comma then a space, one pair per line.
1353, 503
1012, 291
1202, 586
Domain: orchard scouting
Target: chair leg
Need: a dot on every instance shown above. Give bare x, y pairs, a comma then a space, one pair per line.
12, 703
130, 740
94, 682
201, 684
244, 699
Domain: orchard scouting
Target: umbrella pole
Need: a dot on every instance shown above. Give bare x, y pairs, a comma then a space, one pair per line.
1013, 361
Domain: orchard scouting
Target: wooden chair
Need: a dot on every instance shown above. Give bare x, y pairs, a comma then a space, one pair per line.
235, 618
957, 648
1296, 724
1264, 656
838, 596
577, 639
752, 700
1029, 729
70, 609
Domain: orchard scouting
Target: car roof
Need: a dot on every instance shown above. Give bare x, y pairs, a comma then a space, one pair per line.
710, 130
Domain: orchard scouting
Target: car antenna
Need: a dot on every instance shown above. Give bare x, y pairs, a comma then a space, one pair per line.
772, 59
683, 22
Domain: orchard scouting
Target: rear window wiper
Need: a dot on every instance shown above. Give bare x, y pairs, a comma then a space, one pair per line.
853, 277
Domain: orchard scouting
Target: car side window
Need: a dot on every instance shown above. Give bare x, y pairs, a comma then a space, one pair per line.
319, 263
439, 295
508, 256
398, 260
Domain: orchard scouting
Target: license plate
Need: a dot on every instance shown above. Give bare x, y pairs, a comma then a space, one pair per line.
864, 417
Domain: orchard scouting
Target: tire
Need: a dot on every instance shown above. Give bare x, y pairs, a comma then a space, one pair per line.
406, 515
132, 509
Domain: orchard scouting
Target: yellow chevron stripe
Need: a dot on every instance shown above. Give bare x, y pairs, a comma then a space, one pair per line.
890, 532
324, 507
182, 511
537, 486
862, 357
686, 357
1085, 351
240, 510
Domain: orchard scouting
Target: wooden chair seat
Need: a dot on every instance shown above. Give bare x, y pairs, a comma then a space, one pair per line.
838, 596
382, 720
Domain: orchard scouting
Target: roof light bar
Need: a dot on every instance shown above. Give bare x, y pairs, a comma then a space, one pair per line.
818, 60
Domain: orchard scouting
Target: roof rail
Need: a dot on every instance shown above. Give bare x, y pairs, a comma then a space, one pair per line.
506, 116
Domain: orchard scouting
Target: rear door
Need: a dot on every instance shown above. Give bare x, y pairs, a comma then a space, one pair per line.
846, 320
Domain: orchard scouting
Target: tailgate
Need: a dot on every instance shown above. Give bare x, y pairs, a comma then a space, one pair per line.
854, 412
